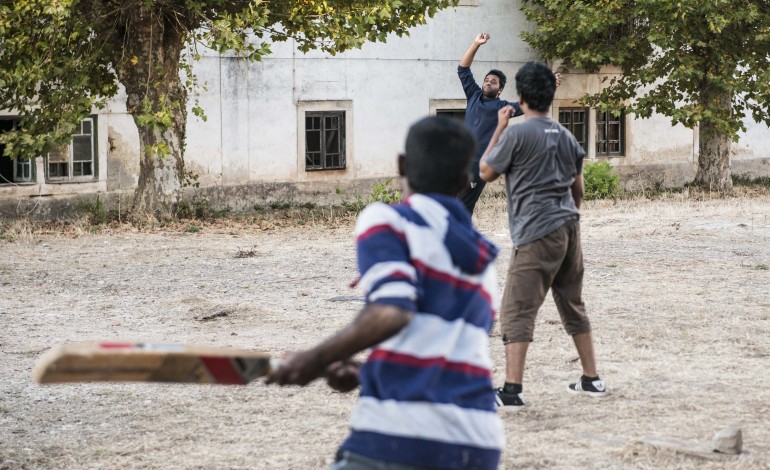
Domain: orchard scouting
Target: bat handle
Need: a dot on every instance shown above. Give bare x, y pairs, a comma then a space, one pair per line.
275, 363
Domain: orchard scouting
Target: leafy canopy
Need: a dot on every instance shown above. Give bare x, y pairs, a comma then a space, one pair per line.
59, 59
679, 58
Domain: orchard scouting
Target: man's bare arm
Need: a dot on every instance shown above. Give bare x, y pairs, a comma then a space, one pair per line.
467, 58
374, 324
578, 190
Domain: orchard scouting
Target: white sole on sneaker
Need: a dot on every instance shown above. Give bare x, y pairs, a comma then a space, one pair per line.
590, 394
577, 388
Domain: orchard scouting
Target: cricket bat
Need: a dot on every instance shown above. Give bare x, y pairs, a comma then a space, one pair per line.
150, 362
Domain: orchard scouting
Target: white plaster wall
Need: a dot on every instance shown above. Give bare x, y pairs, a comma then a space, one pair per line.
655, 140
203, 151
252, 129
754, 143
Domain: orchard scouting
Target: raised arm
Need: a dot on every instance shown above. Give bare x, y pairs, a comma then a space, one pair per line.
467, 58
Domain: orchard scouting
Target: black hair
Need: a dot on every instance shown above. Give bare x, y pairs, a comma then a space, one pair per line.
536, 85
438, 155
500, 76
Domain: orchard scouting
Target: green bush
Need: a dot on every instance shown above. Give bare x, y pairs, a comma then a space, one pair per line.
747, 180
599, 180
384, 191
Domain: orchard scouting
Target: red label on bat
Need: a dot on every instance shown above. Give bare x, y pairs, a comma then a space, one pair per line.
116, 345
223, 370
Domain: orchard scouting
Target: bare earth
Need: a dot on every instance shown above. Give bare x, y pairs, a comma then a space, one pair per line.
678, 290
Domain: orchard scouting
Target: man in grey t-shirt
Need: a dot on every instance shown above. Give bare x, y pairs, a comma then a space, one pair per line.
543, 167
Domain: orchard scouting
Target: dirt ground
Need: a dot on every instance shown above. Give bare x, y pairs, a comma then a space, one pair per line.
678, 290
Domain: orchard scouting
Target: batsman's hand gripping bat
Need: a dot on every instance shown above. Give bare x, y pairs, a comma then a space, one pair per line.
151, 362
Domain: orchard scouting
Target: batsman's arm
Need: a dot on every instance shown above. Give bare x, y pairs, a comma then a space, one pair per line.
375, 324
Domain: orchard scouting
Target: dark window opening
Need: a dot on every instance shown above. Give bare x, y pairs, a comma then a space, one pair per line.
610, 134
453, 113
576, 121
324, 140
19, 170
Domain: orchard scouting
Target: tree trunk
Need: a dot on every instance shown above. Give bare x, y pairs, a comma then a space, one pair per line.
714, 149
157, 101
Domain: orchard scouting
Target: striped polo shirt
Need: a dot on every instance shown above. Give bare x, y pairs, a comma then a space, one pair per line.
426, 393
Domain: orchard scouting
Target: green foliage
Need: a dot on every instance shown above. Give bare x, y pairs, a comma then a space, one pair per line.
693, 61
746, 180
95, 210
192, 229
53, 70
198, 207
386, 191
599, 180
61, 59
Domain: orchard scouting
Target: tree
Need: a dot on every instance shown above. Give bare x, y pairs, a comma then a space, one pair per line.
701, 63
59, 59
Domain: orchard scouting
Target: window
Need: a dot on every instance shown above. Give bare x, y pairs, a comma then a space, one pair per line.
576, 121
452, 113
75, 161
324, 140
14, 171
610, 134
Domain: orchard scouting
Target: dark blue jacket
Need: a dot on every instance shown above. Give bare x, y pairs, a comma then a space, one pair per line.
481, 112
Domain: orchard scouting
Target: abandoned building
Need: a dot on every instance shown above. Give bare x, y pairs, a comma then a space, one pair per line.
301, 125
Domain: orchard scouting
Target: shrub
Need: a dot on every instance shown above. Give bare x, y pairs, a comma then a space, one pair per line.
747, 180
383, 191
599, 180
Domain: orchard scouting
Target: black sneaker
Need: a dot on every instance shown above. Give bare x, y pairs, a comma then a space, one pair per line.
503, 398
592, 388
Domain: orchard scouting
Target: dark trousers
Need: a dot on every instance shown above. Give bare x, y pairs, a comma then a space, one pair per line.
472, 193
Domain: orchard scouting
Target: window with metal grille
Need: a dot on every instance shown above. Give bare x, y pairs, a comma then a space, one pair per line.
324, 140
19, 170
452, 113
576, 121
77, 159
610, 134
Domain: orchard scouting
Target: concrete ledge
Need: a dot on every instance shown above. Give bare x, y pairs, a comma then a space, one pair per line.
246, 197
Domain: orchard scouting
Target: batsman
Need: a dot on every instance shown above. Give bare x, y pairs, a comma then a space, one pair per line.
430, 287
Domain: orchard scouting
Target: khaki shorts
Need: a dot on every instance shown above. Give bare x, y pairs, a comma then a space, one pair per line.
556, 262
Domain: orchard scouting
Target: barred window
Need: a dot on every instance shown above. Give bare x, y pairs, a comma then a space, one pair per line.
18, 170
324, 140
576, 121
610, 134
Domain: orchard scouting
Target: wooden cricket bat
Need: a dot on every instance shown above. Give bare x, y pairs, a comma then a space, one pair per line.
150, 362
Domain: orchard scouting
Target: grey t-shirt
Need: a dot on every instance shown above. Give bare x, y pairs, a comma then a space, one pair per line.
540, 159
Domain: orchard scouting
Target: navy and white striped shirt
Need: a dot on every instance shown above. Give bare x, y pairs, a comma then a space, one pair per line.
426, 393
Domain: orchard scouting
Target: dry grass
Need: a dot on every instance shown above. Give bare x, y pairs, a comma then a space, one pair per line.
675, 288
